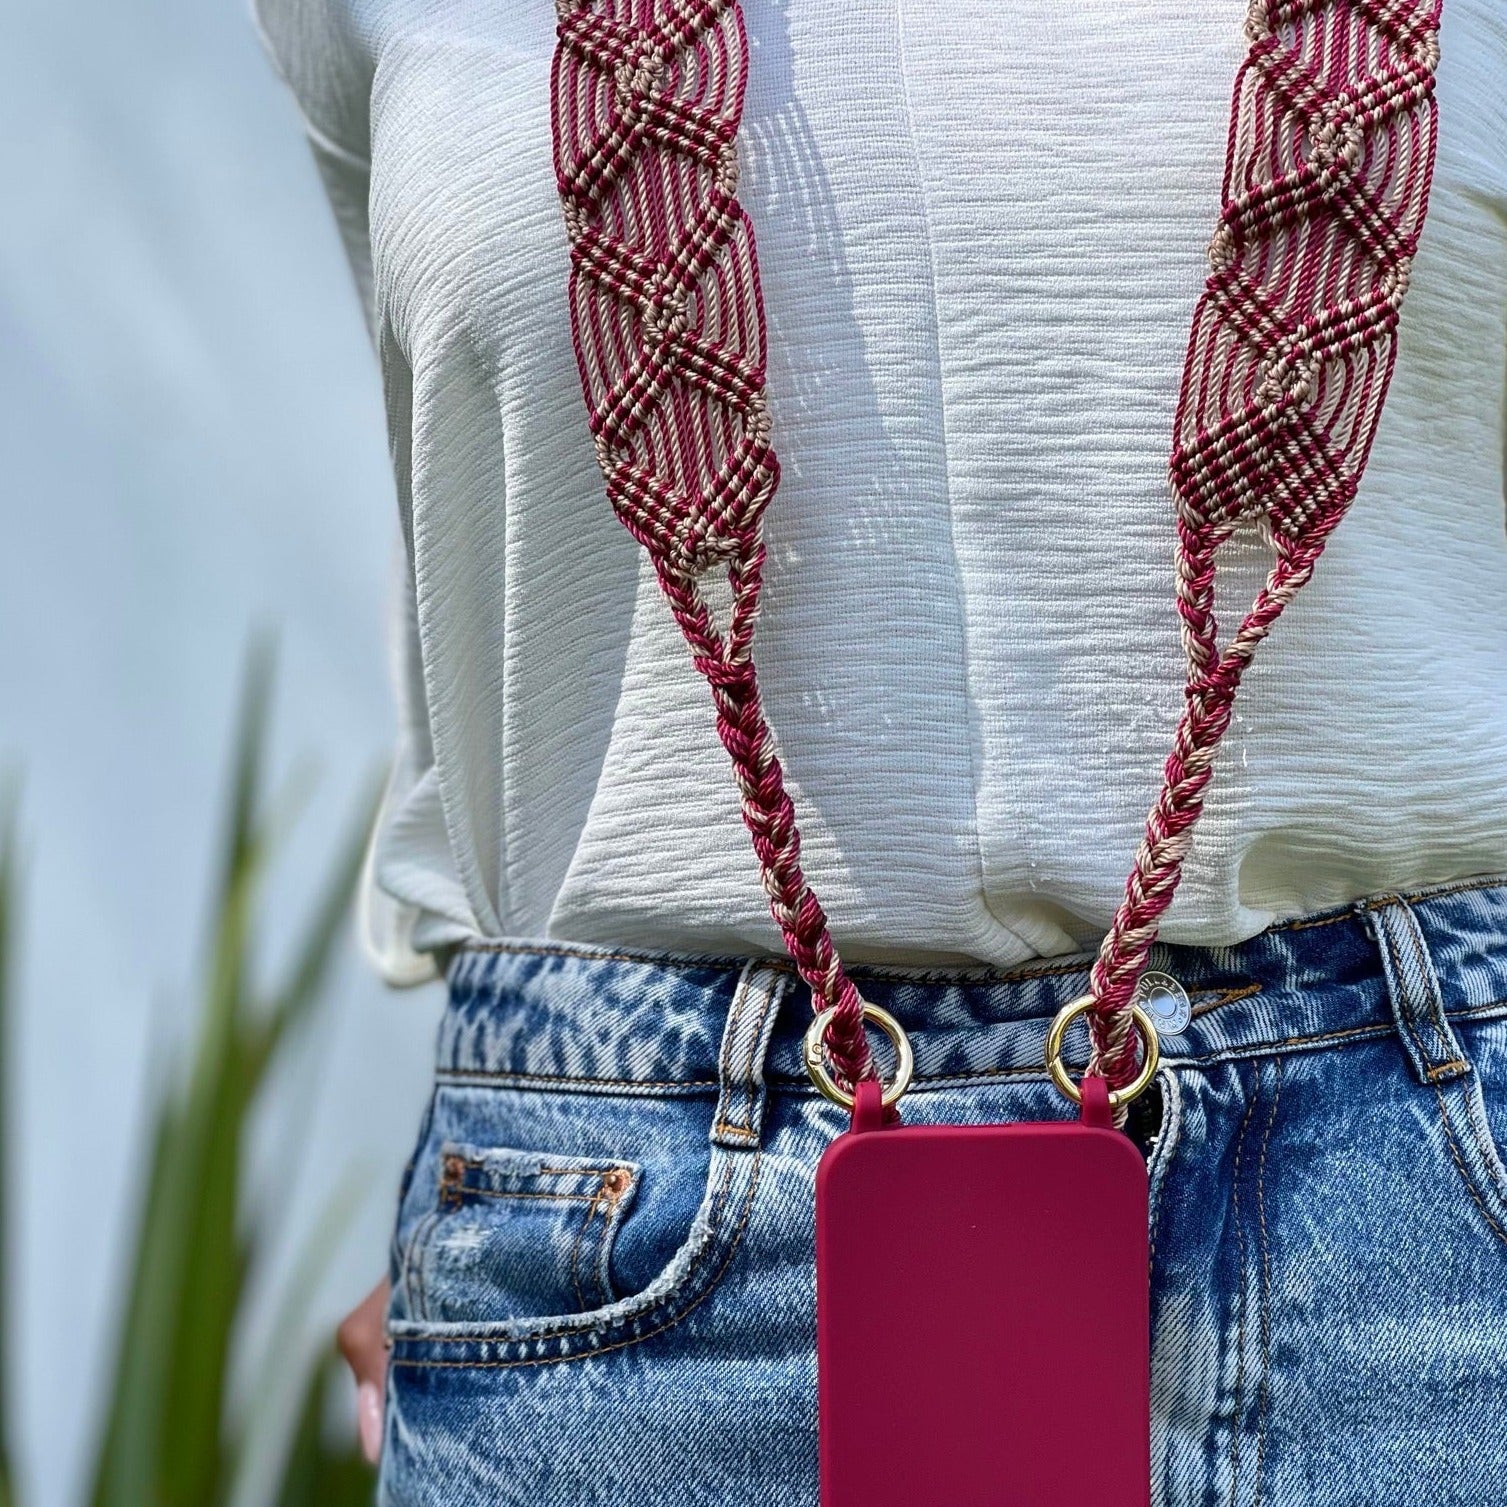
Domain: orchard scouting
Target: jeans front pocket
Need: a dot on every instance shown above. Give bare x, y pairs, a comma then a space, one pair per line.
516, 1233
514, 1257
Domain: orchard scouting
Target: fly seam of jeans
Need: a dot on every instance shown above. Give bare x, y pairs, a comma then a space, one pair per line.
1490, 1157
1264, 1395
1485, 1147
1161, 1170
1448, 1065
1465, 1176
1242, 1297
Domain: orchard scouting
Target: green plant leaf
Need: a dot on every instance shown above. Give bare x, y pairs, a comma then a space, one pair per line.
166, 1439
162, 1437
310, 969
9, 885
263, 1433
316, 1474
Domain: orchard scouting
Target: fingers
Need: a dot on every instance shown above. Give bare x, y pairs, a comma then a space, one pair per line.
363, 1342
369, 1420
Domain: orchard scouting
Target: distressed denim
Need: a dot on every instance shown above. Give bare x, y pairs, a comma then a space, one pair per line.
603, 1284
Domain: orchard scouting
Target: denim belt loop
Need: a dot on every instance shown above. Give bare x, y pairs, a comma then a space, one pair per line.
751, 1017
1413, 988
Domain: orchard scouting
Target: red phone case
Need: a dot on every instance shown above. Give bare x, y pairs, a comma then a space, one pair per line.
982, 1312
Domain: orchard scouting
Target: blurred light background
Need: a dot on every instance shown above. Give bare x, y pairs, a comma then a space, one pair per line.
193, 449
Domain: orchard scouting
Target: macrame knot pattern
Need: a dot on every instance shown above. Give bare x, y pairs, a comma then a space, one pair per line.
667, 320
665, 299
1327, 177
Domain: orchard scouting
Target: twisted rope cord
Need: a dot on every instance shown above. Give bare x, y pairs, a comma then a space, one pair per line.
1330, 160
668, 322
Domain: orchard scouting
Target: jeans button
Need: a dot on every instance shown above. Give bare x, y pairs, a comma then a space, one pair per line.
1165, 1001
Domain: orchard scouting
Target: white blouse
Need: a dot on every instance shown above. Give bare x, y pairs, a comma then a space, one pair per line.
982, 234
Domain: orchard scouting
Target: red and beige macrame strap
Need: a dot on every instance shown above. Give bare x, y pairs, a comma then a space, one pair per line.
1330, 158
668, 321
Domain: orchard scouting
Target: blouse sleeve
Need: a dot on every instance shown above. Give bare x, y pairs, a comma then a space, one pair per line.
315, 50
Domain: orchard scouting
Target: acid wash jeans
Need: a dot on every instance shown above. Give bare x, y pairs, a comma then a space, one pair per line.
603, 1286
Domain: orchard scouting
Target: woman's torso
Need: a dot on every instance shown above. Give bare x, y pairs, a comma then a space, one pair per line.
981, 236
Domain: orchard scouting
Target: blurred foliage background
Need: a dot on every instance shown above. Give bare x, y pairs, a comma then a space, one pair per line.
192, 423
172, 1434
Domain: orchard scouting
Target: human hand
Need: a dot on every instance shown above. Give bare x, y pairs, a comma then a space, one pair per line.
362, 1337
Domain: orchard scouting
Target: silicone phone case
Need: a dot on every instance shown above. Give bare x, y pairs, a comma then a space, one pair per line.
983, 1324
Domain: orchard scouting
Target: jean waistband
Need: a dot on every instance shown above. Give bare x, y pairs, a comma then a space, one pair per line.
618, 1021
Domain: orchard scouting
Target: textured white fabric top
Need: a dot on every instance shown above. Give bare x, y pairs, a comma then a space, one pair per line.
982, 236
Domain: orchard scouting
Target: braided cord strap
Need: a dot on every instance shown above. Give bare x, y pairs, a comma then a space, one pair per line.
1329, 164
1331, 156
668, 322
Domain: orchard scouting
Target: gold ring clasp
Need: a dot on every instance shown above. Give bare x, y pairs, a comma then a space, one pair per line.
1151, 1053
813, 1050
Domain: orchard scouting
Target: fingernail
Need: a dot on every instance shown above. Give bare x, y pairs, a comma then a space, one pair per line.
369, 1420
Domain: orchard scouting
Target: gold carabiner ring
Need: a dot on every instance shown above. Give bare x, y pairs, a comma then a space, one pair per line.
1151, 1053
814, 1052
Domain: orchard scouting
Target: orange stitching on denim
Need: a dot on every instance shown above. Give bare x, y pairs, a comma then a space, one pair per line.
637, 1339
1485, 1146
1226, 997
1454, 1066
1263, 1398
555, 1080
1309, 923
719, 1203
1307, 1041
463, 1193
1470, 1185
1490, 1010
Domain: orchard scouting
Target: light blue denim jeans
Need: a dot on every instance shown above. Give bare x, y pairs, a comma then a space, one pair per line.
603, 1283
